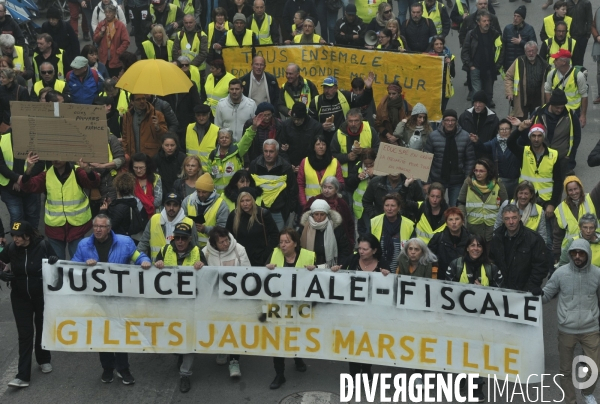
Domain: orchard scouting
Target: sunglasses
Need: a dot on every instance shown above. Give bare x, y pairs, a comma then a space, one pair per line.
185, 64
181, 238
47, 71
387, 12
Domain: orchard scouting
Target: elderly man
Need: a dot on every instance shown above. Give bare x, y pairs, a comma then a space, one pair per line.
588, 226
259, 85
262, 24
480, 120
84, 82
515, 37
49, 79
18, 55
331, 107
201, 136
524, 82
192, 42
46, 51
296, 88
350, 29
418, 29
238, 36
234, 110
560, 40
143, 127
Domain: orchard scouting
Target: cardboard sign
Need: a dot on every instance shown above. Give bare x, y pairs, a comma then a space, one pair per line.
392, 159
65, 132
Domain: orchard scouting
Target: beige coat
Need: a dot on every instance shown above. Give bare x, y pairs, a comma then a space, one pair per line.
521, 96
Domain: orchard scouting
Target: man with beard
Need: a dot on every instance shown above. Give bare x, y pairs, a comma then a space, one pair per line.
560, 40
296, 88
297, 135
480, 120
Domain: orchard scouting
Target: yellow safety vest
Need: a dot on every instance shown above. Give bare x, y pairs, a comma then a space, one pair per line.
365, 139
122, 102
65, 203
149, 49
435, 15
483, 212
461, 11
549, 24
59, 86
223, 169
305, 96
423, 229
357, 205
312, 185
171, 17
170, 256
211, 30
272, 185
215, 93
210, 217
406, 228
157, 236
191, 51
19, 61
61, 70
533, 222
264, 32
230, 40
202, 149
304, 258
595, 247
189, 7
570, 223
498, 45
195, 76
343, 103
517, 78
569, 116
449, 87
465, 279
569, 87
540, 177
113, 172
367, 10
7, 153
553, 47
315, 38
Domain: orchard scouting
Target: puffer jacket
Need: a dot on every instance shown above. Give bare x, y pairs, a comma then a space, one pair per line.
122, 251
436, 144
513, 51
235, 256
578, 291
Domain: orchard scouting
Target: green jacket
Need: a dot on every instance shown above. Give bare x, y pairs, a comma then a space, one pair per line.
422, 271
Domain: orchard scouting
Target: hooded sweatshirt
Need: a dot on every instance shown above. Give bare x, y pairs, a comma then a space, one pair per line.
234, 256
578, 291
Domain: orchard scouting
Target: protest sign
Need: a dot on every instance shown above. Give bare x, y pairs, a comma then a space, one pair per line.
419, 75
292, 312
392, 159
65, 132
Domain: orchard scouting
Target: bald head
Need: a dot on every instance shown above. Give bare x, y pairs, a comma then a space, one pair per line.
258, 66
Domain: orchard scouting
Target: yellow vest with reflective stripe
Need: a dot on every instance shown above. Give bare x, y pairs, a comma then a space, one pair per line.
60, 75
460, 10
19, 61
171, 17
423, 229
202, 149
498, 45
517, 78
230, 40
59, 86
211, 30
149, 49
357, 205
305, 96
65, 203
549, 24
595, 247
222, 170
312, 185
304, 258
435, 15
157, 236
215, 93
570, 223
482, 212
465, 279
540, 177
365, 139
170, 257
553, 47
343, 103
210, 217
272, 185
366, 9
7, 153
534, 221
406, 228
264, 32
189, 7
315, 38
195, 76
570, 88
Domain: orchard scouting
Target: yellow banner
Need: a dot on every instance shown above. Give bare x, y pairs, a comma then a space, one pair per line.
419, 75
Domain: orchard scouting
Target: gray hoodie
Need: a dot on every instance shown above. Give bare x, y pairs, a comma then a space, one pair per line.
578, 291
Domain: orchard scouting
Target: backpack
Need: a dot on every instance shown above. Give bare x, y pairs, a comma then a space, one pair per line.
136, 223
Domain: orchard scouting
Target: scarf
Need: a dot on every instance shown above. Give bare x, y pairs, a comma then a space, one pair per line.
170, 225
269, 127
390, 230
393, 109
383, 22
329, 241
146, 197
526, 212
483, 189
357, 133
502, 142
110, 33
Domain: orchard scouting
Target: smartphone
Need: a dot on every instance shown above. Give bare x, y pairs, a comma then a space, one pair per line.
198, 219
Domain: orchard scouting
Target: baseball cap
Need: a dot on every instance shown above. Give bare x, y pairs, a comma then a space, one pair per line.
562, 53
330, 81
351, 9
183, 229
20, 228
173, 197
79, 62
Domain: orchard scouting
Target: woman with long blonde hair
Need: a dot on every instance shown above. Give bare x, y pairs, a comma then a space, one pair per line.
191, 170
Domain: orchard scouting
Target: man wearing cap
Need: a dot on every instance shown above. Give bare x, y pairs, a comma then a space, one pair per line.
193, 43
480, 120
238, 36
296, 88
331, 107
48, 79
106, 246
560, 40
350, 29
160, 228
297, 135
262, 24
515, 36
84, 83
206, 208
268, 127
47, 51
259, 85
572, 81
201, 136
166, 14
524, 82
143, 127
453, 155
234, 110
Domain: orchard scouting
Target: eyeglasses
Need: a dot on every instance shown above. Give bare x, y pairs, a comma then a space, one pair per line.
388, 11
47, 71
181, 238
97, 226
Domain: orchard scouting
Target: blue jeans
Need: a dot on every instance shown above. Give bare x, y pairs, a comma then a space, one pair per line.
59, 247
483, 81
403, 6
22, 206
278, 218
327, 19
453, 191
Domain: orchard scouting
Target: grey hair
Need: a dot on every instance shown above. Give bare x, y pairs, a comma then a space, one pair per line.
589, 218
102, 216
354, 112
531, 44
427, 258
271, 142
47, 64
7, 40
333, 181
228, 131
110, 7
110, 83
511, 209
184, 59
296, 66
483, 13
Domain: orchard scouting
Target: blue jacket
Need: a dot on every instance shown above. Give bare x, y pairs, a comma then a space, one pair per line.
508, 165
122, 251
84, 92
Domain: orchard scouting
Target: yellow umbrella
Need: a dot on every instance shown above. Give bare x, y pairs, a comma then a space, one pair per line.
154, 76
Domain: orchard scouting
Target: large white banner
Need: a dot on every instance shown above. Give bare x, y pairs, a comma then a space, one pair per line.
347, 316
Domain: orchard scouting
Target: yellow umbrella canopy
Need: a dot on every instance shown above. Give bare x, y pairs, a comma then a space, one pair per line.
154, 76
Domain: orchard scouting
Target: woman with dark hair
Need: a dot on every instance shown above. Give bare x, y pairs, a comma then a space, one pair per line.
148, 185
437, 47
413, 132
169, 161
429, 214
241, 179
533, 215
385, 39
120, 210
392, 109
25, 254
480, 198
474, 266
217, 83
451, 242
90, 52
315, 168
191, 170
7, 62
217, 28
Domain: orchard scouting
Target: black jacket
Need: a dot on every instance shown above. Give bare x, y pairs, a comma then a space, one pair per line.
258, 240
183, 104
417, 34
593, 159
66, 39
11, 27
271, 84
377, 189
471, 47
488, 131
349, 29
470, 23
526, 264
169, 168
120, 213
512, 51
455, 269
291, 7
414, 212
287, 199
26, 265
446, 251
299, 138
10, 94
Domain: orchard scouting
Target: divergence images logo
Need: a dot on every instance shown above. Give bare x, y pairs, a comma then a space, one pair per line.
586, 375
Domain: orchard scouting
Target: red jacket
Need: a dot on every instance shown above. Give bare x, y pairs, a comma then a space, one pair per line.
119, 44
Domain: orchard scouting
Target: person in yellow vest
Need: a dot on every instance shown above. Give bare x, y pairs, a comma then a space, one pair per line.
357, 184
192, 42
68, 216
559, 15
189, 8
121, 99
588, 226
228, 157
262, 24
571, 209
160, 228
184, 63
437, 12
428, 214
48, 79
217, 29
170, 16
159, 46
206, 208
353, 136
560, 40
47, 51
238, 36
480, 198
23, 66
295, 89
289, 254
201, 137
217, 84
308, 34
367, 9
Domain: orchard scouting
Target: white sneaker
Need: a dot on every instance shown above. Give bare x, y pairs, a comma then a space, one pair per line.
234, 369
46, 367
18, 383
221, 359
589, 399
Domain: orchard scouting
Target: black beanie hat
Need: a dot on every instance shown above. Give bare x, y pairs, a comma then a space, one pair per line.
522, 11
450, 112
558, 97
480, 96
